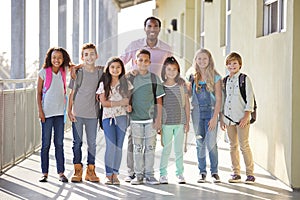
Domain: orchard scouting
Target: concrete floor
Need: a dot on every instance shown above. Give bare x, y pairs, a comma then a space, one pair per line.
21, 181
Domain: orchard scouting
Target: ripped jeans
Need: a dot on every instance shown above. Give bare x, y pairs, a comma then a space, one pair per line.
144, 143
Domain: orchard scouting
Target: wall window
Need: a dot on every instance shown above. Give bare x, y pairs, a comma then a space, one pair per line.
274, 16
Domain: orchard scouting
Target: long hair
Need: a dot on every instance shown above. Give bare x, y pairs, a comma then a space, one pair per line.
123, 87
210, 71
66, 57
171, 61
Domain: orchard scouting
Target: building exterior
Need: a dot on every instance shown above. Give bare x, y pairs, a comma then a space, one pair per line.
267, 35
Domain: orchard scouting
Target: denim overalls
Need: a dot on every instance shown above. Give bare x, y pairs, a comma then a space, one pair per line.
203, 103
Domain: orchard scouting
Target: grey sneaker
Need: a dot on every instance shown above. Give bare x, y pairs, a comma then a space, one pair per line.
202, 178
152, 181
180, 179
137, 181
163, 180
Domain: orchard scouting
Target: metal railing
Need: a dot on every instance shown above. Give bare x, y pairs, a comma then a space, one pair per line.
20, 133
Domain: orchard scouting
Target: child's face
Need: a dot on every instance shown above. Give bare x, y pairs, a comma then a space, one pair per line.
143, 62
57, 59
202, 60
233, 66
89, 56
171, 71
115, 69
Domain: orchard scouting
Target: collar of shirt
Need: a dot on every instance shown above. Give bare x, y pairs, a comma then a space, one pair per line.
146, 45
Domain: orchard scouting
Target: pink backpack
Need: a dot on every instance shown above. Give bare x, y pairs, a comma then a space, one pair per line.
48, 78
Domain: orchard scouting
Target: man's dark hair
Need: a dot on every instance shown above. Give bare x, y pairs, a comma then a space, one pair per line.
154, 18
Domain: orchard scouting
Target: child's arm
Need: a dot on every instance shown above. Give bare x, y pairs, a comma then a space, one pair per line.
70, 107
245, 120
222, 124
109, 104
187, 113
157, 124
39, 95
218, 94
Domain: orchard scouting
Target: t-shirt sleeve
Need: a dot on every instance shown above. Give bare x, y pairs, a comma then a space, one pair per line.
217, 78
100, 89
71, 84
42, 73
160, 89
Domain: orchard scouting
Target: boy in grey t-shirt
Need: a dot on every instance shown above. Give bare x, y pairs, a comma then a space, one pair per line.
143, 125
83, 111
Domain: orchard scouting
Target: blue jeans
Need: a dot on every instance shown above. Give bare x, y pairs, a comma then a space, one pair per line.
91, 134
57, 123
144, 143
114, 131
207, 141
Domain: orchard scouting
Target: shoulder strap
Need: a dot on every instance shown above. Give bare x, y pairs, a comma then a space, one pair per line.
154, 85
48, 79
224, 84
63, 75
78, 81
242, 85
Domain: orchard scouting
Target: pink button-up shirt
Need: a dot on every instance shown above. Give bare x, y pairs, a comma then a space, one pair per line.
158, 54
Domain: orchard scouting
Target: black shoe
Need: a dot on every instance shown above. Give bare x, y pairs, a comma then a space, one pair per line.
43, 179
63, 179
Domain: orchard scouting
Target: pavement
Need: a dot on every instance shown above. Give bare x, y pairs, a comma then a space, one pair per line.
21, 181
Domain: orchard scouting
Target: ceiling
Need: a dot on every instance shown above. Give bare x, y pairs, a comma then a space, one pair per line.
127, 3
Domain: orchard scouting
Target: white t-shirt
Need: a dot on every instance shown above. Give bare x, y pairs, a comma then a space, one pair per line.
53, 100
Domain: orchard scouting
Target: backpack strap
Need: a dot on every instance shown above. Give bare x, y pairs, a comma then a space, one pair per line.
242, 86
154, 85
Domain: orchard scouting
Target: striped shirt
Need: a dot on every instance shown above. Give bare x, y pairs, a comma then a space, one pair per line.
173, 105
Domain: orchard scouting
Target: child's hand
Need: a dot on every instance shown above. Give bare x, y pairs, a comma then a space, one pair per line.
161, 140
73, 71
71, 116
222, 125
212, 124
42, 116
129, 108
186, 127
245, 120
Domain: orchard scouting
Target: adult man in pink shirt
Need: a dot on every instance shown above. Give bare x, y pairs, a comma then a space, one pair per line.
159, 52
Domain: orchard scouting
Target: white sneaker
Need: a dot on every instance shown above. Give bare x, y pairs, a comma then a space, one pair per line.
128, 179
163, 180
152, 181
136, 181
180, 179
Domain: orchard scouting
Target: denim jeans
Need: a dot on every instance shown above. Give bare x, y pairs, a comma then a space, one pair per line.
91, 134
144, 143
207, 141
114, 131
57, 123
168, 132
202, 113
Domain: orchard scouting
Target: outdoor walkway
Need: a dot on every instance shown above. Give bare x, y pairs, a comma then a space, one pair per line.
21, 181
